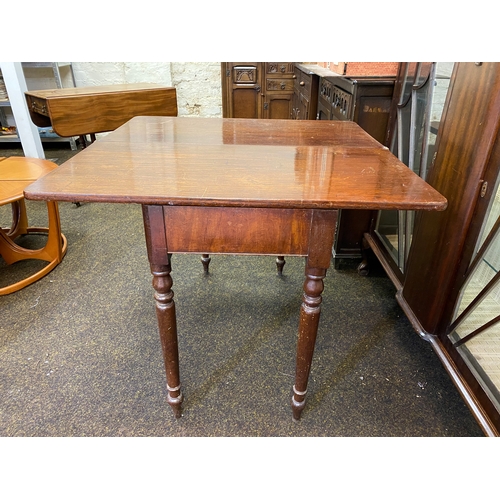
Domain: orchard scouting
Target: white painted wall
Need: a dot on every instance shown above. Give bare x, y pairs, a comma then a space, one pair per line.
198, 84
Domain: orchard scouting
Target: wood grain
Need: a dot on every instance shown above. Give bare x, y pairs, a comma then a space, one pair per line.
237, 230
90, 110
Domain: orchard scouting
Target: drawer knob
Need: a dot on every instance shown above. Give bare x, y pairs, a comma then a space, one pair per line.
302, 83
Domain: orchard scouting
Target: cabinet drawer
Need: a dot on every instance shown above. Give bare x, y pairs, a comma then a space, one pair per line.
307, 79
274, 84
303, 82
279, 68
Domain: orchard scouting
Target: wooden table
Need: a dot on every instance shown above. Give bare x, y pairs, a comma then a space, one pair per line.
90, 110
235, 186
16, 173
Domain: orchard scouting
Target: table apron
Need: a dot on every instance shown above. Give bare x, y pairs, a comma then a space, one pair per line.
263, 231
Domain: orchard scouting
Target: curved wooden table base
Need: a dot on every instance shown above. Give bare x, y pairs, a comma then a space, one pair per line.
15, 174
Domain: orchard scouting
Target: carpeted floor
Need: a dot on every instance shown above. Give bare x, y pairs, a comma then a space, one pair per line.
80, 353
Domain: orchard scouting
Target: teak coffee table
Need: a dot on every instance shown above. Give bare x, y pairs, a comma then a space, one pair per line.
16, 173
238, 186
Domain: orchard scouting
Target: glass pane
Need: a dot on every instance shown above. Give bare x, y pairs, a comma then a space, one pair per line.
420, 106
486, 309
482, 351
441, 84
481, 354
488, 266
387, 230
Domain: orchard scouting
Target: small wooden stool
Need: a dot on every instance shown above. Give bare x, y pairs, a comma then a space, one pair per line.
16, 173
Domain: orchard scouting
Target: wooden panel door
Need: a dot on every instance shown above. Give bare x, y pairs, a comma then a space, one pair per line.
242, 82
278, 106
305, 99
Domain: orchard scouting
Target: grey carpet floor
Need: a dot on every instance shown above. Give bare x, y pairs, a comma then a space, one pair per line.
80, 353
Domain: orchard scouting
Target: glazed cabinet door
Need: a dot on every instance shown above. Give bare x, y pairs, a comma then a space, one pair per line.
451, 288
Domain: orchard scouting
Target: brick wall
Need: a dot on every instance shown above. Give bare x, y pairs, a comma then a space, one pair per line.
362, 68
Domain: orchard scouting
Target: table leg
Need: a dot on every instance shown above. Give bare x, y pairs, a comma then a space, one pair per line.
165, 312
160, 264
308, 328
280, 263
19, 219
205, 260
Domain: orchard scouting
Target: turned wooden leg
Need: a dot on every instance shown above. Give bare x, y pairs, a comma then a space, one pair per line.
165, 311
308, 328
280, 263
205, 260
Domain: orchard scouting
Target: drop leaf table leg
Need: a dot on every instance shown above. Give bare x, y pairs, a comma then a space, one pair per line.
160, 264
205, 260
308, 328
165, 312
280, 263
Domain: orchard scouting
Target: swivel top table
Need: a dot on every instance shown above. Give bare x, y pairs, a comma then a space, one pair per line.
268, 187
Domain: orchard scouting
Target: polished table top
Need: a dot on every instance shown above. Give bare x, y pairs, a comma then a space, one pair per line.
238, 162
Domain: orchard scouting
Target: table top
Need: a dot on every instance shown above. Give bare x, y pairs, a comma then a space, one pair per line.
17, 173
241, 163
93, 90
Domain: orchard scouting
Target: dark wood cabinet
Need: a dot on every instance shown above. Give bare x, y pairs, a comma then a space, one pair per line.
257, 89
278, 94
